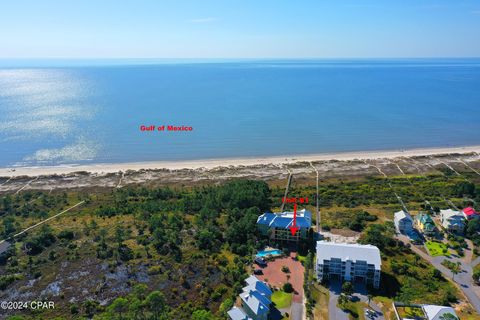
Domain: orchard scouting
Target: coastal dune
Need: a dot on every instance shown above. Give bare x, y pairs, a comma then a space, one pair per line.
209, 164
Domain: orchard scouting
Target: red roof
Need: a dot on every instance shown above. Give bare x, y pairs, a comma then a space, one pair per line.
469, 211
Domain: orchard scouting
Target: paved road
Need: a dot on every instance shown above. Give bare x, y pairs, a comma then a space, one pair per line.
475, 262
296, 311
463, 279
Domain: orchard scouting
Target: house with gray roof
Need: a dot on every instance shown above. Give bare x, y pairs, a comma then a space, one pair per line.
256, 285
403, 222
255, 301
348, 262
238, 314
277, 225
255, 304
452, 221
433, 312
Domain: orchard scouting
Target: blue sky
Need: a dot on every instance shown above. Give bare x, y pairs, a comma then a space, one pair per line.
239, 28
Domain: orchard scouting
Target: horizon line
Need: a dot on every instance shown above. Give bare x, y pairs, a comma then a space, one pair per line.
238, 58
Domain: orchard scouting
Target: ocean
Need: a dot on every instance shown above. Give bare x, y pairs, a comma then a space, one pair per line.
79, 112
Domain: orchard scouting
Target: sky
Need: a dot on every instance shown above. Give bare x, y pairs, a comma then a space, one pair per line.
239, 28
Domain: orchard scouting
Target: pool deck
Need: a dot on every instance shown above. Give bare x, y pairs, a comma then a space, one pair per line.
265, 253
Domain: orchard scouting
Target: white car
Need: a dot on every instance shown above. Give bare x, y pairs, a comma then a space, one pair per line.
370, 313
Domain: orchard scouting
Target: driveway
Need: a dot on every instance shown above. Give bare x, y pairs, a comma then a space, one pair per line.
274, 276
334, 312
296, 311
463, 280
360, 294
475, 262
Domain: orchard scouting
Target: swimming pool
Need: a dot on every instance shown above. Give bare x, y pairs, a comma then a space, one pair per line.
264, 253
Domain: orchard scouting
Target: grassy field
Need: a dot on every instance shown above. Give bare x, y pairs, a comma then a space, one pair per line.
321, 296
436, 249
282, 299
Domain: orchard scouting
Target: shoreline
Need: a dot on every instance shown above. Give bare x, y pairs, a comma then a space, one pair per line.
235, 162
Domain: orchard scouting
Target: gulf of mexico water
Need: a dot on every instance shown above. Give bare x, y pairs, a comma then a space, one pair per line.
77, 112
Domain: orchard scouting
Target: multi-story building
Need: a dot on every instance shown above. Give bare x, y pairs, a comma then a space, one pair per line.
277, 225
348, 262
403, 222
452, 221
425, 224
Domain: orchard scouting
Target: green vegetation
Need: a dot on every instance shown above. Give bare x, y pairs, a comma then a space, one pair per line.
282, 299
354, 309
285, 269
347, 288
436, 248
376, 192
405, 277
309, 278
410, 312
317, 304
454, 267
287, 287
194, 243
184, 252
472, 232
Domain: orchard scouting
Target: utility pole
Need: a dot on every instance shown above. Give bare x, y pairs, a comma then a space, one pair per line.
317, 202
286, 189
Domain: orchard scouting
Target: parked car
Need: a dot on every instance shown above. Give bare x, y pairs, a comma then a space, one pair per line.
257, 271
370, 314
260, 261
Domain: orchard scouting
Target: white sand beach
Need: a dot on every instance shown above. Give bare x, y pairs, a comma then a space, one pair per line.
227, 162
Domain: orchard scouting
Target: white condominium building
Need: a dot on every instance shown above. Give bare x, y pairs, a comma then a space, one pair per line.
348, 262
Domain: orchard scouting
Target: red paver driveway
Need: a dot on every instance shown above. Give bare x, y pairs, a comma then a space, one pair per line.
276, 277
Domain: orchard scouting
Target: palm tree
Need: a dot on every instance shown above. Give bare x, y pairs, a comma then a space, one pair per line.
455, 270
448, 316
369, 297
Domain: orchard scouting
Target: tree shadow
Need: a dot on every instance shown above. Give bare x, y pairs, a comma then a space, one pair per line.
389, 286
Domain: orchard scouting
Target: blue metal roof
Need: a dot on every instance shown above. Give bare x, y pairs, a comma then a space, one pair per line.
285, 219
256, 302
